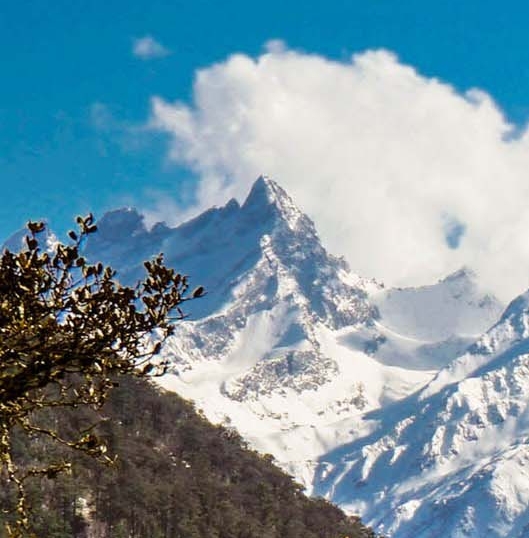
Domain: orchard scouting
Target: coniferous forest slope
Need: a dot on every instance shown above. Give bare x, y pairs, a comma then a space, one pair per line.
176, 476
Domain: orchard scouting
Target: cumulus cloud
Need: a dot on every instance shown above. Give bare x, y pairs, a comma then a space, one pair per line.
148, 48
403, 175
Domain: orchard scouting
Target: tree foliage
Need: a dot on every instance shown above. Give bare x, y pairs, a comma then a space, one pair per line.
67, 328
177, 476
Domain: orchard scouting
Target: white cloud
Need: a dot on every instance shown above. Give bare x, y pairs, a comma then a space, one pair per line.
406, 177
147, 48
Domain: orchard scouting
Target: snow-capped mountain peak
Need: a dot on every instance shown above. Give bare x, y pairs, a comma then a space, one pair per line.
267, 200
265, 247
386, 400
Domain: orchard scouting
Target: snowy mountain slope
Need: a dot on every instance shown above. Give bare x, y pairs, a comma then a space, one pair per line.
453, 306
451, 460
293, 404
17, 241
426, 327
288, 346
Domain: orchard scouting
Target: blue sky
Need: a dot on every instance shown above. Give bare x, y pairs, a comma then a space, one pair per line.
75, 99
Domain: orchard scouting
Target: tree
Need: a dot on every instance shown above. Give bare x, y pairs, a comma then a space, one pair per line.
67, 329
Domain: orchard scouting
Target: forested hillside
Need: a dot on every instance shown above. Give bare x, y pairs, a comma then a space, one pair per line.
175, 476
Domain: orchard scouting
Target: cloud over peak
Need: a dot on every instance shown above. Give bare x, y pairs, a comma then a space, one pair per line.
401, 173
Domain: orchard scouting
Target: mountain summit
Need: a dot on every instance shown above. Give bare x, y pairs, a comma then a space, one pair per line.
267, 237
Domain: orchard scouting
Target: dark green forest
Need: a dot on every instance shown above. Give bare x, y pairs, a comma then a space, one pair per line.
175, 476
